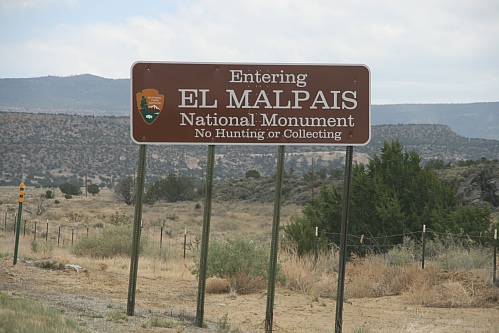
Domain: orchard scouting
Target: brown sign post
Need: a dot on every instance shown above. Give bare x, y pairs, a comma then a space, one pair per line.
202, 103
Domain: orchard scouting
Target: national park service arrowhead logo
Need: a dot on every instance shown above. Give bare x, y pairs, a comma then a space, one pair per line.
150, 103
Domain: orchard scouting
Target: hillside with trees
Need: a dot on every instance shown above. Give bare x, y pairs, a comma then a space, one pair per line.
97, 96
47, 150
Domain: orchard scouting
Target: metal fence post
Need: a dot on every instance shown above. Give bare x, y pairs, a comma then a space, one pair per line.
423, 239
185, 240
495, 257
316, 244
161, 238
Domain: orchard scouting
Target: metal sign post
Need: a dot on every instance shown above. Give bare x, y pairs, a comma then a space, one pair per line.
261, 104
269, 314
18, 224
137, 226
206, 236
343, 240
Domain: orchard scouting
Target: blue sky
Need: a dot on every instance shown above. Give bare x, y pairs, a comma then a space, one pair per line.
427, 51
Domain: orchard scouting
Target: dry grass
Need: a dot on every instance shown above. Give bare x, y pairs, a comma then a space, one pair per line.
374, 277
216, 285
234, 219
310, 276
367, 277
436, 288
370, 277
243, 284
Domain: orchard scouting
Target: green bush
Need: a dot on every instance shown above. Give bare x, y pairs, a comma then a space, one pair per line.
252, 174
299, 235
243, 263
118, 219
113, 241
71, 189
173, 188
163, 323
400, 256
117, 316
458, 253
461, 259
34, 246
93, 189
407, 252
448, 252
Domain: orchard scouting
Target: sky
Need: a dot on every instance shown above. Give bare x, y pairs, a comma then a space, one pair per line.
426, 51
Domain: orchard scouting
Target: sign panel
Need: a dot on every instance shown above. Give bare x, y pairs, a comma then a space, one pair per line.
211, 103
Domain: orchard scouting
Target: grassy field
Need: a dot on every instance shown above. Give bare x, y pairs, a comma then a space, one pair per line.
234, 218
25, 316
377, 287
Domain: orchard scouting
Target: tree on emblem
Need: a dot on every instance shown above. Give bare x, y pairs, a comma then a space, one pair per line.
143, 104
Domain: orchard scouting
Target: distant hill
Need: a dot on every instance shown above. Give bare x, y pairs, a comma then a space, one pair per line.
92, 95
46, 149
475, 120
67, 94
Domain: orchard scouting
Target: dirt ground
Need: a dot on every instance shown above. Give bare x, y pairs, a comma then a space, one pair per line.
169, 291
96, 297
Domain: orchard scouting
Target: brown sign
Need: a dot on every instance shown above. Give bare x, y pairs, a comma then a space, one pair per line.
201, 103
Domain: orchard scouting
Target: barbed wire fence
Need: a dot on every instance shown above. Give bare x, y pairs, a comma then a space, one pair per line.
419, 246
456, 251
68, 234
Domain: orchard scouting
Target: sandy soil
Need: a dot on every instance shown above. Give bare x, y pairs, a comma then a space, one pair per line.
169, 292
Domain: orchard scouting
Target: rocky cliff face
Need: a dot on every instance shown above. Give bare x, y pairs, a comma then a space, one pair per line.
479, 185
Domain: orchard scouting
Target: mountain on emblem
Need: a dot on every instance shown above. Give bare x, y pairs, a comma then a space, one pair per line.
150, 103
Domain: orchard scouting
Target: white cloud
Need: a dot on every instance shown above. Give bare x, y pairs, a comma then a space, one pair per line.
427, 50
